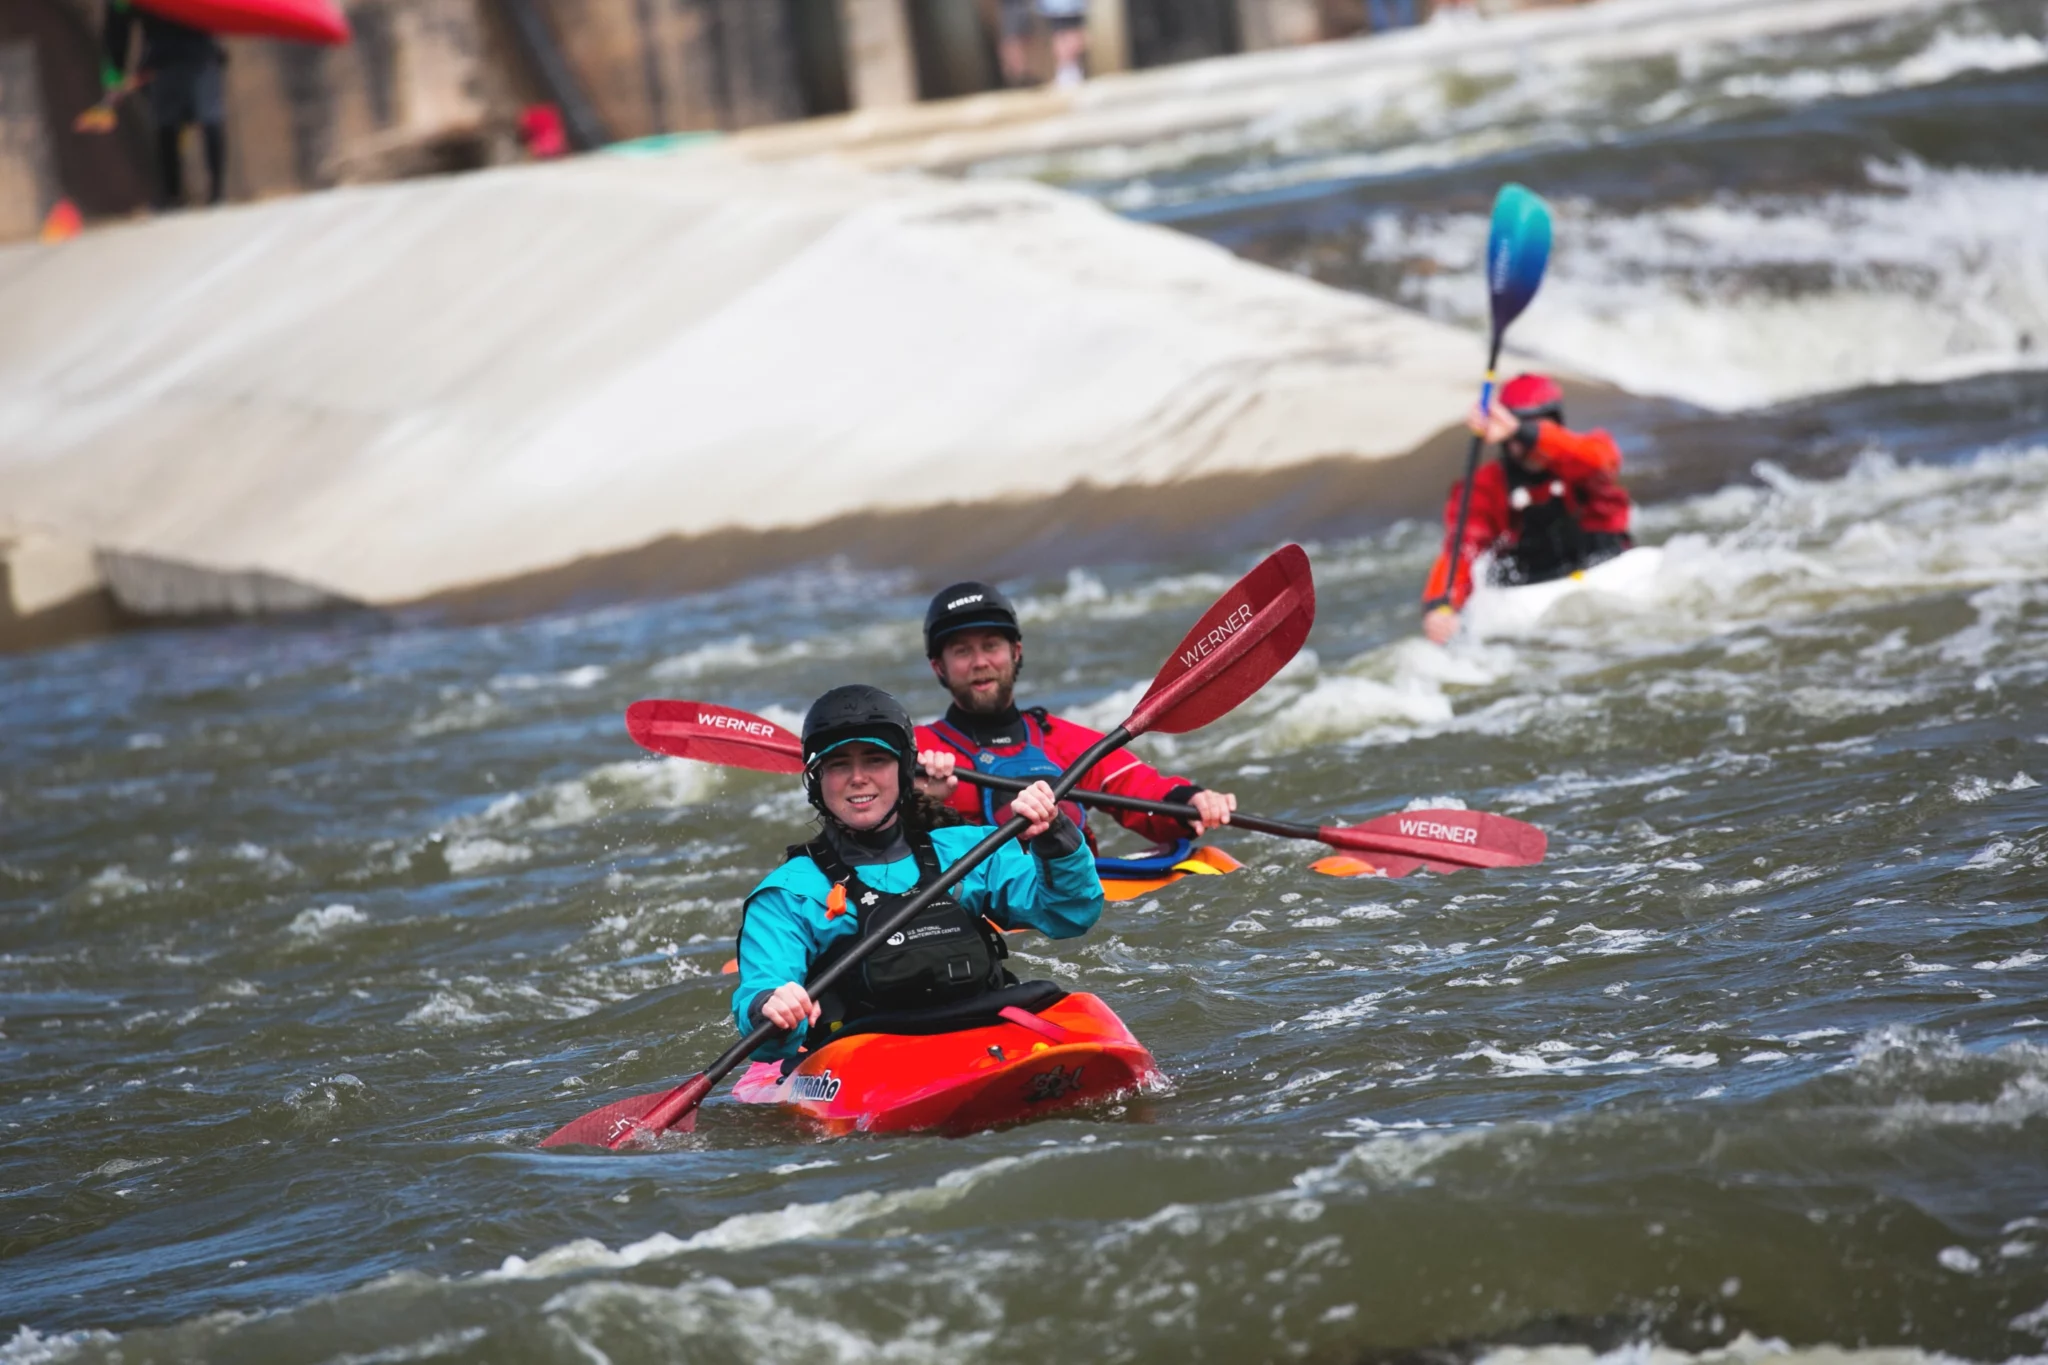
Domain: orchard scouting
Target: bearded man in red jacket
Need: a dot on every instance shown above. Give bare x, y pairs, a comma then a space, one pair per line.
976, 649
1550, 506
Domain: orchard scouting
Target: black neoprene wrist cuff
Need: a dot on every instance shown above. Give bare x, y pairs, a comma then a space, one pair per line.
1182, 794
1061, 837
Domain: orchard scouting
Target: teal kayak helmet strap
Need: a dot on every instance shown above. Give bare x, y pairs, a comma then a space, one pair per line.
967, 606
858, 712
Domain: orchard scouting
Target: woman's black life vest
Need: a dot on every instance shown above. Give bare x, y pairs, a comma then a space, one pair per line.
1549, 540
944, 955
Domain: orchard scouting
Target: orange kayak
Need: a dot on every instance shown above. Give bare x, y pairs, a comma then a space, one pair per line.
1025, 1066
1201, 862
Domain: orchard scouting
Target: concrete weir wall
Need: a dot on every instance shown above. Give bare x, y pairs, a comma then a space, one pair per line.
384, 394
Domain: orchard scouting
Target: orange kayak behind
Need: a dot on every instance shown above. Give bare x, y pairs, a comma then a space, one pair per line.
1075, 1052
1204, 861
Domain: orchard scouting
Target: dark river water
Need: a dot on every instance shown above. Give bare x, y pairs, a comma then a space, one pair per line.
307, 935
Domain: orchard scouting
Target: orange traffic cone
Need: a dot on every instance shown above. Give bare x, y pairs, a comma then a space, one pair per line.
63, 222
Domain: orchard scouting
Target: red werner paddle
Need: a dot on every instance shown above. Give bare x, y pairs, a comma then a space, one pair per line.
1243, 640
1441, 840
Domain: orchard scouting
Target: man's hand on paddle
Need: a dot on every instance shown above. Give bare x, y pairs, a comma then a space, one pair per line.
1492, 425
1440, 624
1213, 807
935, 774
1496, 425
788, 1006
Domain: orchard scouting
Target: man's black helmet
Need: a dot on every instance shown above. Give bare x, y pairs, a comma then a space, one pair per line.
967, 606
858, 711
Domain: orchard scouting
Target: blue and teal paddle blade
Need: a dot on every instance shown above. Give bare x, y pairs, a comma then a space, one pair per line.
1517, 250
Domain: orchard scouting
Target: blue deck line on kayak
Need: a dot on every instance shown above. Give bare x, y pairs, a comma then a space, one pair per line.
1154, 864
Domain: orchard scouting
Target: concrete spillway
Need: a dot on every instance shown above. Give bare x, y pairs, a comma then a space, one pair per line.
387, 394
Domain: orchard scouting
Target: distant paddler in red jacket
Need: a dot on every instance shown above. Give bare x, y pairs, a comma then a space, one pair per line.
1550, 506
976, 649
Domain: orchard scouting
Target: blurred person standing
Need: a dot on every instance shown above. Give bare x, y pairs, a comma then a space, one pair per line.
182, 71
1013, 42
1065, 20
1068, 20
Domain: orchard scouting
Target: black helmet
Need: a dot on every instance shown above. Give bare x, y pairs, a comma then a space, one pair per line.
858, 711
967, 606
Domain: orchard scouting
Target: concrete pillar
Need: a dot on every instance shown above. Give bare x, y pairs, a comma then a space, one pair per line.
757, 54
700, 79
1109, 37
955, 54
1263, 24
604, 50
28, 176
439, 68
414, 102
881, 62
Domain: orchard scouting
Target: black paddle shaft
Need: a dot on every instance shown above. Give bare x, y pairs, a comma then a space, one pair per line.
766, 1032
1465, 493
1286, 829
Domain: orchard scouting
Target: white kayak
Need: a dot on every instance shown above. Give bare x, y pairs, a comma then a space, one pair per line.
1493, 610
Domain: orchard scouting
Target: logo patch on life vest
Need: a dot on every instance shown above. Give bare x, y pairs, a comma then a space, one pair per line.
895, 940
823, 1087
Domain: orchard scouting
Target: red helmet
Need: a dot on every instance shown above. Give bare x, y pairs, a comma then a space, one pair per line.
1533, 395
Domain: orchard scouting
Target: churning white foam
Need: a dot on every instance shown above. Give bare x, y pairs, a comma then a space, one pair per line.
1928, 274
1744, 1350
1770, 556
1949, 53
475, 852
708, 1317
29, 1347
315, 924
748, 1231
1740, 302
632, 784
1464, 101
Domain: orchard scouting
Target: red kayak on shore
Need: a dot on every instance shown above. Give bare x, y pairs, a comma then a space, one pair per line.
300, 21
1022, 1065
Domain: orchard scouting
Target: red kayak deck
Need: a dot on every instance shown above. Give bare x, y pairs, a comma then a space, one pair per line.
1076, 1052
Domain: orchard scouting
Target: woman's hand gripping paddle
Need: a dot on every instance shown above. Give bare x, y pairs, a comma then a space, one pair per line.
1517, 252
1241, 642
